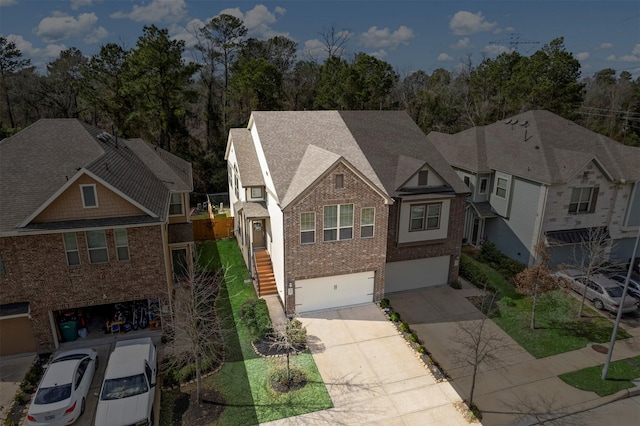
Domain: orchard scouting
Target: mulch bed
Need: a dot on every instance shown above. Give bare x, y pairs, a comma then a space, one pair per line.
207, 412
265, 348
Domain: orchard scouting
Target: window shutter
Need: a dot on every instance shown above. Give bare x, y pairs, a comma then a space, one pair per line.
594, 198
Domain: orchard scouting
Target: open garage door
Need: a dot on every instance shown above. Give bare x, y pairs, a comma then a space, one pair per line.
335, 291
419, 273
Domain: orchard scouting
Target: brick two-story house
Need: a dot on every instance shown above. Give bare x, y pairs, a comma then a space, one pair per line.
348, 205
87, 220
537, 176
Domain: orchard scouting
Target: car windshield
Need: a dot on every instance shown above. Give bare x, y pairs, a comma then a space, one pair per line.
124, 387
53, 394
614, 291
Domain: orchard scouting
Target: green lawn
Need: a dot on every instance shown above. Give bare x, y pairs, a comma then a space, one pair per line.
619, 377
243, 379
558, 328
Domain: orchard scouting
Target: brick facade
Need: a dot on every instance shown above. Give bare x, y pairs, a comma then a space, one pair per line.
36, 271
305, 261
445, 247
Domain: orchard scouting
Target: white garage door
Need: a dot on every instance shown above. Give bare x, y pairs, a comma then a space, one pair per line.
334, 291
411, 274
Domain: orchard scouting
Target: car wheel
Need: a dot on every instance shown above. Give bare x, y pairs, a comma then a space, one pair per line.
598, 304
82, 407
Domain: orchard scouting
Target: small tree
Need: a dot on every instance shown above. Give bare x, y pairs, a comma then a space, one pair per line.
290, 337
537, 280
193, 329
592, 256
479, 344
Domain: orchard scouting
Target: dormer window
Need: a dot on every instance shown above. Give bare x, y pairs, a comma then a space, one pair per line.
89, 196
423, 176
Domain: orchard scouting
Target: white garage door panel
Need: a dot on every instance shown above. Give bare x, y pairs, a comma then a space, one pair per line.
411, 274
334, 291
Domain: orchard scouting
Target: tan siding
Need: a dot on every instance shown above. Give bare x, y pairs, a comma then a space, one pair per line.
68, 205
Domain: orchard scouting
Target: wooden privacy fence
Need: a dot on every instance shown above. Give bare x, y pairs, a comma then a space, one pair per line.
212, 229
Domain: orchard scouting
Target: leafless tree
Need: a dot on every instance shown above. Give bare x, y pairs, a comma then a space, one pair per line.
335, 41
478, 343
193, 329
290, 337
592, 256
537, 279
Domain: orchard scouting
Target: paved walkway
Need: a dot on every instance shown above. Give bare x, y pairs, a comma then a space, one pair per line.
522, 388
372, 376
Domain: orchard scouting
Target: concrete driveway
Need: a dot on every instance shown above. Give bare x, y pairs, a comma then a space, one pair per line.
371, 374
519, 389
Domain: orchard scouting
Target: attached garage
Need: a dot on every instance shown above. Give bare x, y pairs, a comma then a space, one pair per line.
16, 330
418, 273
334, 292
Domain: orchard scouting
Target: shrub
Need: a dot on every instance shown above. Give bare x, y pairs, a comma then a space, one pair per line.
20, 398
507, 301
490, 255
404, 326
395, 317
413, 337
384, 303
456, 285
255, 315
470, 271
421, 349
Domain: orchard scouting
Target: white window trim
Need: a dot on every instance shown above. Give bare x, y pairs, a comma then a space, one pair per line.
339, 226
115, 240
89, 249
486, 185
313, 230
506, 187
257, 188
425, 217
173, 204
578, 203
372, 225
95, 195
67, 250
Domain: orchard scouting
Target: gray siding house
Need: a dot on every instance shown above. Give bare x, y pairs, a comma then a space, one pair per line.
537, 176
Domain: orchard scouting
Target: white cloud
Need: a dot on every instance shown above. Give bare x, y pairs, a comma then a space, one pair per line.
77, 4
605, 45
315, 49
443, 57
4, 3
96, 35
156, 11
633, 57
611, 58
465, 23
258, 21
495, 49
61, 26
582, 56
187, 33
510, 30
380, 54
27, 49
381, 37
463, 43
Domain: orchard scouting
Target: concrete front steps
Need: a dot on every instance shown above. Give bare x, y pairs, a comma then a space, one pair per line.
264, 271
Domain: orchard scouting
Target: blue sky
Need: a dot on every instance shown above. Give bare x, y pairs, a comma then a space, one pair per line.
409, 34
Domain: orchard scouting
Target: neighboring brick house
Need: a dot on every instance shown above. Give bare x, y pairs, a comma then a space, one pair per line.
348, 205
537, 176
86, 221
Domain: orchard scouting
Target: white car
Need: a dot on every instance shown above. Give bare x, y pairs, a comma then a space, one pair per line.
128, 390
61, 395
603, 292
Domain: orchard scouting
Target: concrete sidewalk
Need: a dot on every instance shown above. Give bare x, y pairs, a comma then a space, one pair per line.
522, 389
12, 371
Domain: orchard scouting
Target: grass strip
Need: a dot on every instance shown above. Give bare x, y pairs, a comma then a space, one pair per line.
619, 377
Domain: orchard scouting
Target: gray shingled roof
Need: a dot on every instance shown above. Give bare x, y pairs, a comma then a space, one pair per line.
537, 145
286, 135
389, 139
41, 159
248, 165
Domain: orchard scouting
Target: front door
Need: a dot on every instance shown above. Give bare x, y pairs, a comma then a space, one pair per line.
258, 234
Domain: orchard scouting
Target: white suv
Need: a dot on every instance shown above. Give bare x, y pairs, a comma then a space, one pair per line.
128, 389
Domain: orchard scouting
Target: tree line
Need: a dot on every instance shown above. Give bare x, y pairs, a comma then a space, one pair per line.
187, 107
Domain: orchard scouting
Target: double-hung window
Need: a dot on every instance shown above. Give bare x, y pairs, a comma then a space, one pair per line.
71, 248
307, 228
97, 246
581, 200
338, 222
483, 186
122, 244
367, 220
425, 217
501, 187
175, 205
